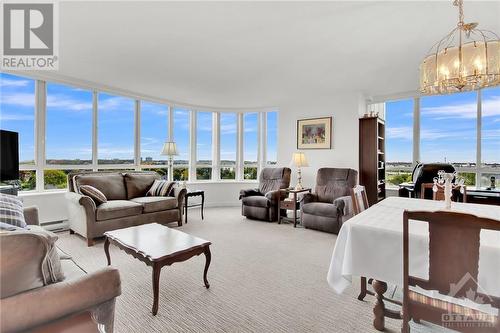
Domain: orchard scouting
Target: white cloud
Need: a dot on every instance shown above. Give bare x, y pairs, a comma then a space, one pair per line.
403, 132
63, 102
490, 108
15, 117
19, 99
4, 83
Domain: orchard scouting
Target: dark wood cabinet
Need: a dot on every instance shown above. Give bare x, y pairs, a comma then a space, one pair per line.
372, 158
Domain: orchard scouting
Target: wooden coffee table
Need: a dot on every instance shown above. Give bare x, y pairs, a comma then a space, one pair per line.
158, 246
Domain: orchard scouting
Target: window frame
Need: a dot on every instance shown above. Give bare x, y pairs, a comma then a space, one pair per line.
479, 169
40, 123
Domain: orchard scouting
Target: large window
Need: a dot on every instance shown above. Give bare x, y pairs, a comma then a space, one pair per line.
250, 145
490, 137
17, 114
68, 125
272, 138
181, 137
17, 101
154, 133
228, 145
448, 132
204, 127
83, 129
116, 129
399, 136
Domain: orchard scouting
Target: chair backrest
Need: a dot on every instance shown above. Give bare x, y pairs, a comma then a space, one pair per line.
425, 173
454, 240
272, 179
359, 199
439, 194
332, 183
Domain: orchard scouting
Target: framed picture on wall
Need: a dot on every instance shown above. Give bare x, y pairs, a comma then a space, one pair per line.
314, 133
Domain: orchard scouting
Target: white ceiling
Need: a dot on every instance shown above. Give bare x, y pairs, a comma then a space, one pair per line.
252, 54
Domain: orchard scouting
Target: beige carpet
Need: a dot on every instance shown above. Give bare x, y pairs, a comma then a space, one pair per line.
264, 277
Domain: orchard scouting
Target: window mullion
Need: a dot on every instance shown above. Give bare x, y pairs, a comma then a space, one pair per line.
40, 116
95, 125
478, 138
137, 135
239, 148
416, 131
192, 145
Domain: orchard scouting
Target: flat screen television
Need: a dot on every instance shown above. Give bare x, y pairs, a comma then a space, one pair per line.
9, 155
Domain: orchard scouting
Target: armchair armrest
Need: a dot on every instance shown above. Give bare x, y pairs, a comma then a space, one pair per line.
309, 197
179, 193
31, 215
249, 193
344, 205
275, 196
81, 213
55, 301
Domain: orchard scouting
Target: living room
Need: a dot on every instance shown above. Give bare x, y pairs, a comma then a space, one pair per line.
266, 161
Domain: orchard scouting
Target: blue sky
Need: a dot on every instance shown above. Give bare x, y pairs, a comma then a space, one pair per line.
447, 128
69, 125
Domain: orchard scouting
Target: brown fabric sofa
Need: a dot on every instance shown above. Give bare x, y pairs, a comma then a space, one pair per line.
127, 203
263, 203
80, 303
330, 204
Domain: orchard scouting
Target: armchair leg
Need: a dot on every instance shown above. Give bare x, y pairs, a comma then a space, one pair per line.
71, 232
90, 242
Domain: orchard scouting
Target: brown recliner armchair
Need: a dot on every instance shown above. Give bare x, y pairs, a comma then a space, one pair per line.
330, 204
263, 203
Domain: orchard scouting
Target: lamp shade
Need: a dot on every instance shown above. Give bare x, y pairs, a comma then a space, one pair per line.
299, 160
169, 148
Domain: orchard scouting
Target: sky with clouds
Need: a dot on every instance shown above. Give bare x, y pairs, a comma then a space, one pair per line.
447, 128
69, 125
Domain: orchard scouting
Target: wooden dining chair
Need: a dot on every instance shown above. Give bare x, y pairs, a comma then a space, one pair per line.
439, 195
360, 203
454, 240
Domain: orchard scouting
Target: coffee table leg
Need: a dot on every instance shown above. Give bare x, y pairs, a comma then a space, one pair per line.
106, 250
208, 257
156, 287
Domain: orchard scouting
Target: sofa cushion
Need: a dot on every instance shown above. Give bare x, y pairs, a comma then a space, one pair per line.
29, 259
161, 188
117, 208
139, 183
111, 184
11, 210
256, 201
320, 209
93, 193
156, 204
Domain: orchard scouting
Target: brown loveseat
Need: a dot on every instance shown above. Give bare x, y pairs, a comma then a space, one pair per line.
81, 302
127, 203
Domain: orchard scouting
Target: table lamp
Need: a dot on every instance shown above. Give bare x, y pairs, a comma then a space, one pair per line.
170, 149
299, 160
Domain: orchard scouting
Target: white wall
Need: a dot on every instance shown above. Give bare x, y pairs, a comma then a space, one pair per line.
344, 153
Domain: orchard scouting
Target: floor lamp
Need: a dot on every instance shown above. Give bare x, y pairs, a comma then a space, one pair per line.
170, 149
299, 160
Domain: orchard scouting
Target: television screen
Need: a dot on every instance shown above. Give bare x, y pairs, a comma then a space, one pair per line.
9, 155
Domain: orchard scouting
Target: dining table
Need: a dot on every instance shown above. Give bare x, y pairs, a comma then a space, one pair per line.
370, 245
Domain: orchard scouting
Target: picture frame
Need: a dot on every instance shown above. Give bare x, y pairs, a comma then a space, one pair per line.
314, 133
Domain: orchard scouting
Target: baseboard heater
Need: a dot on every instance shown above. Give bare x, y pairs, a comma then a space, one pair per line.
56, 226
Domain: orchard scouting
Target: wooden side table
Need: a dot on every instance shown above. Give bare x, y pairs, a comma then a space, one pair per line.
186, 204
292, 204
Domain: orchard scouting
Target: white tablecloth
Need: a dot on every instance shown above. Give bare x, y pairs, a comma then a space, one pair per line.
371, 244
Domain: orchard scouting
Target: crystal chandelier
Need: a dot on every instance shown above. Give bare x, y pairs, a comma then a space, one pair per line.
466, 59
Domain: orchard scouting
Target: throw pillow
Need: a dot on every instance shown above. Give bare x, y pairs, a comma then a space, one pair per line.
11, 210
160, 188
94, 193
